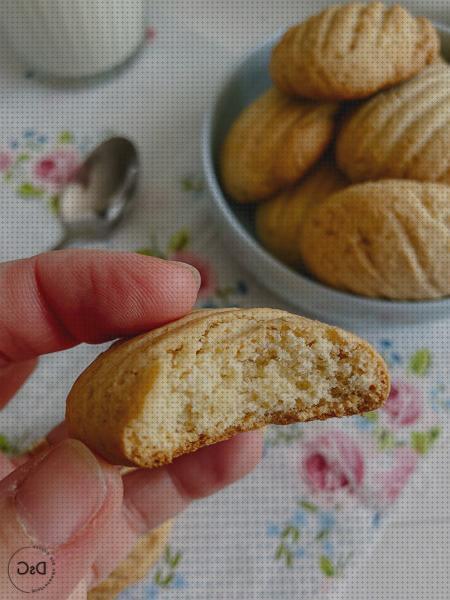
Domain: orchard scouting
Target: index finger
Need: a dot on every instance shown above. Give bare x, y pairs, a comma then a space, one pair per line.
56, 300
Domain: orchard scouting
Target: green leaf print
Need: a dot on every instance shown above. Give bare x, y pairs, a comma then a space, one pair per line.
23, 157
420, 362
8, 176
308, 506
323, 534
179, 241
147, 251
283, 552
172, 560
192, 184
386, 440
291, 532
163, 580
165, 575
283, 435
175, 560
65, 137
421, 441
53, 205
371, 416
28, 190
327, 567
6, 446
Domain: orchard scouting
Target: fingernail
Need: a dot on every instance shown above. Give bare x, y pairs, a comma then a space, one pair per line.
61, 494
195, 273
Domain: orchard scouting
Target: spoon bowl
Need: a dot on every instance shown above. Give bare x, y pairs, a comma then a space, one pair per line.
100, 193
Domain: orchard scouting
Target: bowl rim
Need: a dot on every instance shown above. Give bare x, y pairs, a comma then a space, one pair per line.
438, 306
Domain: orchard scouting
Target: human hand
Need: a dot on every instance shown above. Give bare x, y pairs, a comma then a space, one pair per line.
65, 498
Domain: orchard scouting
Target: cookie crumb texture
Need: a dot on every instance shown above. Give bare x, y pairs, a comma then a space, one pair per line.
352, 51
214, 373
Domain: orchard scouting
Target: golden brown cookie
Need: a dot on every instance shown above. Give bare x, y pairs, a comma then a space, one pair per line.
136, 566
401, 133
272, 144
385, 239
279, 220
214, 373
352, 51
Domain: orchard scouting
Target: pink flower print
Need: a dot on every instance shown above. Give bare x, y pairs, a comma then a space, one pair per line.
150, 34
404, 405
390, 483
333, 462
58, 167
208, 284
6, 160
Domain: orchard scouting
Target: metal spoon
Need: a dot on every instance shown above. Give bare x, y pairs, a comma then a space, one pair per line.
101, 193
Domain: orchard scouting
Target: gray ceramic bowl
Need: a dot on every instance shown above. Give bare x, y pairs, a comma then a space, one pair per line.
247, 82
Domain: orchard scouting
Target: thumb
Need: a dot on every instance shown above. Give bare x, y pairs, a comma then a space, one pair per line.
55, 510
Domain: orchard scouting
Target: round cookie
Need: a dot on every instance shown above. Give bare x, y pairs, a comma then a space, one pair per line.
279, 220
272, 144
384, 239
401, 133
352, 51
136, 566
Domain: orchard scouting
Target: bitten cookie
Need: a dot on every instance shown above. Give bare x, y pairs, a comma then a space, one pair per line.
214, 373
386, 239
279, 220
352, 51
136, 566
272, 144
402, 133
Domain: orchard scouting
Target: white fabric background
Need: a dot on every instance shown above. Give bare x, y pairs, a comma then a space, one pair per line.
412, 558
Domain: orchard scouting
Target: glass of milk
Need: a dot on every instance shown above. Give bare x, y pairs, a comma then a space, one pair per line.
73, 38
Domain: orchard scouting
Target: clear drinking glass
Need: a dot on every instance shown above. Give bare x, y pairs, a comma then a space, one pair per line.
73, 39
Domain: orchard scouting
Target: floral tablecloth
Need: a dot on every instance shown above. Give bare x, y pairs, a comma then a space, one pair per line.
296, 526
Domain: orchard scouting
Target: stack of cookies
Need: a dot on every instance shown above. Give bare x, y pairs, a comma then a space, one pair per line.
347, 156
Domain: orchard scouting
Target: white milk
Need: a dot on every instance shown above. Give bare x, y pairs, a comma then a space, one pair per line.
73, 38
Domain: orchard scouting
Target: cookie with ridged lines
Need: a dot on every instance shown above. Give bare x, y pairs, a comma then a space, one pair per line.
383, 239
215, 373
280, 219
403, 132
272, 144
136, 566
352, 51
